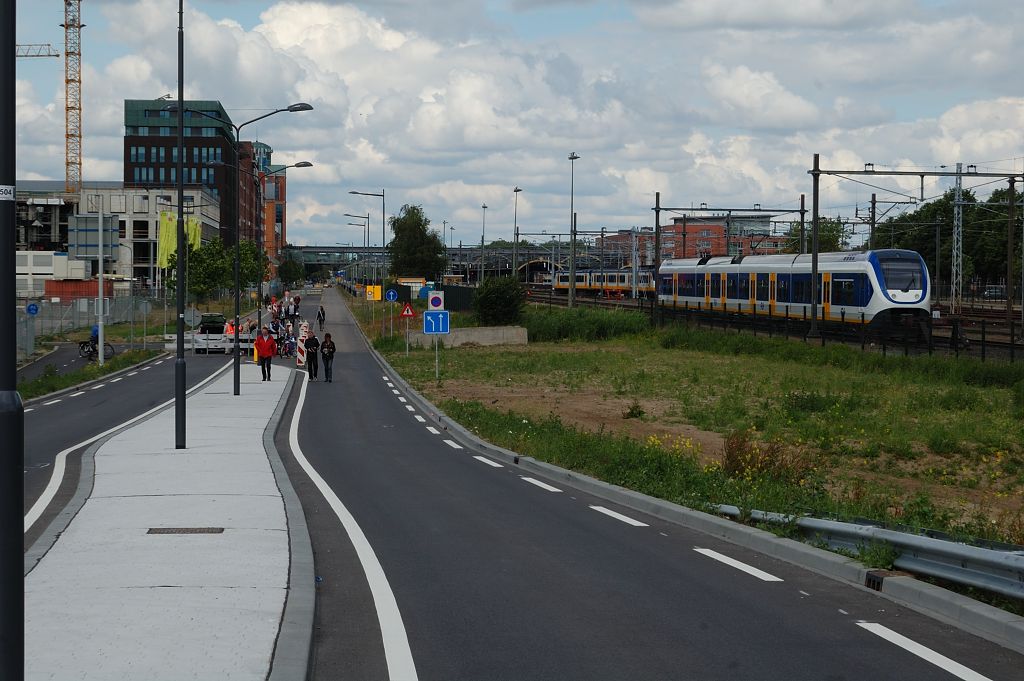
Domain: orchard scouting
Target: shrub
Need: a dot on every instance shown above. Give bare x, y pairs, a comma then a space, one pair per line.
499, 301
582, 324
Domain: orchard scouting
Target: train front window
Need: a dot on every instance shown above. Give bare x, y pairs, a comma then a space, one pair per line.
901, 274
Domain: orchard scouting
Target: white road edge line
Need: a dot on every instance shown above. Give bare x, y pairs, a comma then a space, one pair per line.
453, 444
618, 516
58, 464
484, 459
927, 654
420, 418
433, 430
732, 562
538, 483
396, 640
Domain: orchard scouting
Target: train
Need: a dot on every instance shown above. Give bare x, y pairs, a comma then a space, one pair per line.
878, 288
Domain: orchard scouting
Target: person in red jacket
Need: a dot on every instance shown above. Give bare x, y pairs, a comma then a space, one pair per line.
266, 347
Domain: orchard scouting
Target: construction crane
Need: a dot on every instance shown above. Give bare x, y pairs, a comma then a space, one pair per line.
35, 50
73, 94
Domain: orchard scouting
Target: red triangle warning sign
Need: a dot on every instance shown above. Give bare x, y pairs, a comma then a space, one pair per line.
407, 311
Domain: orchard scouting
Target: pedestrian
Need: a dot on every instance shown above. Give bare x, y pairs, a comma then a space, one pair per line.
290, 312
327, 349
312, 361
321, 317
266, 347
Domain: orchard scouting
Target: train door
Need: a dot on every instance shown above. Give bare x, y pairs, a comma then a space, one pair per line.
706, 278
771, 293
826, 294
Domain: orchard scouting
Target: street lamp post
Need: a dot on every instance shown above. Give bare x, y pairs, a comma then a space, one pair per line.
179, 284
300, 106
383, 238
515, 230
573, 157
483, 229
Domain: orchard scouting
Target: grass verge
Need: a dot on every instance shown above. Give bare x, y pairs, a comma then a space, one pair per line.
51, 381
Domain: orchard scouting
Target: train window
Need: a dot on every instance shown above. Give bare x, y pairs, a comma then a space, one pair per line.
901, 273
866, 290
666, 285
843, 292
762, 286
716, 285
802, 288
581, 278
689, 285
744, 286
730, 286
782, 289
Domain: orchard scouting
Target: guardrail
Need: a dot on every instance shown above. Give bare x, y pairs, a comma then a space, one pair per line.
993, 570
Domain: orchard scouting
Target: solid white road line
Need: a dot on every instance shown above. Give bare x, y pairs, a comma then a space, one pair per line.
618, 516
58, 465
80, 392
484, 459
115, 380
410, 407
396, 642
538, 483
47, 404
453, 444
732, 562
433, 430
420, 418
927, 654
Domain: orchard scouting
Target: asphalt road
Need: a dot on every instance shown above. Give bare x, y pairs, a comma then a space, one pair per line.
499, 577
52, 425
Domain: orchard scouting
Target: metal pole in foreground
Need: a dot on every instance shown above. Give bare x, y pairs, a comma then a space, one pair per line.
237, 369
179, 362
12, 412
99, 297
815, 292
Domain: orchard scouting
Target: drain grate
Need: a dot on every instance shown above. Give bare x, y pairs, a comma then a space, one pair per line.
186, 530
874, 578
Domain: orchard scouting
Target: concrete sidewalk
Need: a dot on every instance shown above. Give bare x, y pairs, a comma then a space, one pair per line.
202, 600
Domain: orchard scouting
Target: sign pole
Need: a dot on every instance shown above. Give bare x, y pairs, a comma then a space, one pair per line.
437, 370
406, 336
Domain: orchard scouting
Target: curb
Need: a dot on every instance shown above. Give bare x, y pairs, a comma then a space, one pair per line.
290, 658
979, 619
106, 377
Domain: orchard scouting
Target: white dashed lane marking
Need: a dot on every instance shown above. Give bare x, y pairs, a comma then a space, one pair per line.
402, 399
115, 380
80, 392
453, 444
97, 387
433, 430
396, 392
927, 654
618, 516
732, 562
420, 418
542, 485
47, 404
30, 409
146, 368
410, 407
484, 459
160, 362
133, 373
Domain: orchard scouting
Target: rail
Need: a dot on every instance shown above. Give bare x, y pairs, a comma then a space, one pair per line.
998, 571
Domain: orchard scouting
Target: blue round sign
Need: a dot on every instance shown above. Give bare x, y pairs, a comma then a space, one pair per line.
32, 309
391, 295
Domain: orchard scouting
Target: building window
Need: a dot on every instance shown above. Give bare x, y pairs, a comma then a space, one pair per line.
188, 131
219, 156
140, 229
129, 130
206, 154
135, 174
164, 113
174, 154
193, 176
140, 203
174, 174
209, 132
143, 131
122, 228
165, 131
163, 154
195, 154
163, 175
152, 155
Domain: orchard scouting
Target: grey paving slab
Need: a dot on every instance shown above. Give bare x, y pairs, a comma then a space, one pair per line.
111, 601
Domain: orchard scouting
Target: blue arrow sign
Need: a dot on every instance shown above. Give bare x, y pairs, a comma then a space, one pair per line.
33, 309
391, 295
435, 322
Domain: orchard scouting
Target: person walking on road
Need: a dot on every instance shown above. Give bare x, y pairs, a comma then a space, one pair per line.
321, 317
266, 347
327, 349
312, 358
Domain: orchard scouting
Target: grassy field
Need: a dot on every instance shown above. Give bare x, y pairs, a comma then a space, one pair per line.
703, 417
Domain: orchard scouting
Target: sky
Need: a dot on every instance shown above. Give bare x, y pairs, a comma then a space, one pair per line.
451, 104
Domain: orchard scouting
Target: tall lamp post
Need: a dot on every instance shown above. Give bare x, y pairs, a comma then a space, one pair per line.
383, 232
483, 229
573, 157
300, 106
365, 231
515, 229
12, 412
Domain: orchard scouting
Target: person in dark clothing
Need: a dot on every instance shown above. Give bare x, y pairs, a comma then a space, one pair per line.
321, 317
327, 349
312, 358
266, 348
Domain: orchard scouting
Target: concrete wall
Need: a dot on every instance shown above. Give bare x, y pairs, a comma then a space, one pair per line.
486, 335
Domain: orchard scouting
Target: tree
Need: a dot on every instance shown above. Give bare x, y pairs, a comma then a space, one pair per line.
499, 300
290, 272
210, 268
253, 264
832, 236
415, 249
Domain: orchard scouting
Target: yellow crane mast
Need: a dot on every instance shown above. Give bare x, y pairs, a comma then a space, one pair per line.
73, 94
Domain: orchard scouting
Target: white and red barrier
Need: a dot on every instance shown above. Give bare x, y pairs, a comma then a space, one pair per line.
300, 347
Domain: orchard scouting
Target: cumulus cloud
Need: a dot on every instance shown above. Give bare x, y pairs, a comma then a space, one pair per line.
756, 99
765, 14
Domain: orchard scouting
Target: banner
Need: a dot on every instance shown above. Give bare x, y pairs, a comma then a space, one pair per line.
167, 237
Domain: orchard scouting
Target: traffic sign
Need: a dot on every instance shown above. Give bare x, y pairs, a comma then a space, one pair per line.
435, 322
435, 300
392, 295
145, 307
32, 309
407, 311
192, 316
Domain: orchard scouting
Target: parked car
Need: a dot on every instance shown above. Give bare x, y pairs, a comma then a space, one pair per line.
994, 293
